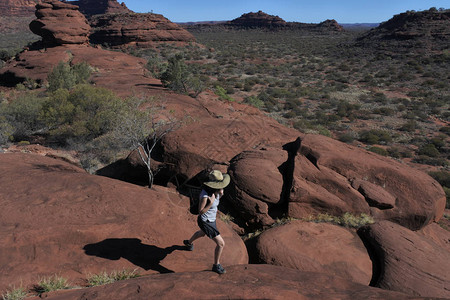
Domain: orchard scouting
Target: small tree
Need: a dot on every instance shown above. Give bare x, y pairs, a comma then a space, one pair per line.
176, 75
143, 127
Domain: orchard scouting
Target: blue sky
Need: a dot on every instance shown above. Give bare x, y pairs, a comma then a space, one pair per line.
305, 11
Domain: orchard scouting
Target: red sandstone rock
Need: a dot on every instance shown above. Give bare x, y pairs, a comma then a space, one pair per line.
18, 8
122, 73
57, 219
407, 261
317, 179
420, 200
240, 282
141, 30
316, 247
60, 23
96, 7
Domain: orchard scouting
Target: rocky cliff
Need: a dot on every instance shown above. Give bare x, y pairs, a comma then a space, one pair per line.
424, 31
18, 8
141, 30
96, 7
60, 23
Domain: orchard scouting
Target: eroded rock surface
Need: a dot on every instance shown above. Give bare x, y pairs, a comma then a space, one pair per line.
323, 175
57, 219
240, 282
316, 247
60, 23
133, 29
407, 261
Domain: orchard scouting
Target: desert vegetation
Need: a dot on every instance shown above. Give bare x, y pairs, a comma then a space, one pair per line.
391, 104
74, 115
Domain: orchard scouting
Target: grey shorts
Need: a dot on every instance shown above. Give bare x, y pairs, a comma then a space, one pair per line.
209, 228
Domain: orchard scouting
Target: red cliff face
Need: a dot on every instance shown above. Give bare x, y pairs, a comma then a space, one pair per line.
423, 31
60, 23
18, 8
141, 30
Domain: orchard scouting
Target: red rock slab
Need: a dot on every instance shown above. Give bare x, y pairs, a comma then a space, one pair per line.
316, 247
240, 282
124, 74
57, 219
407, 261
420, 199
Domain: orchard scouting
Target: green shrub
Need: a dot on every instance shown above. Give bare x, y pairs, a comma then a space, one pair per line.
51, 284
346, 220
428, 150
254, 101
106, 278
82, 114
378, 150
15, 294
222, 93
375, 136
65, 76
176, 76
20, 118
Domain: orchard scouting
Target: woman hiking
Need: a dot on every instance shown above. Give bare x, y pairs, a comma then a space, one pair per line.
209, 201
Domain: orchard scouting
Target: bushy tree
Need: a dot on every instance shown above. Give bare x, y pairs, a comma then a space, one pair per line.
176, 76
65, 76
80, 115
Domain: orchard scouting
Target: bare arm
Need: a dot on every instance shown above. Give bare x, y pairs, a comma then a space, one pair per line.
205, 204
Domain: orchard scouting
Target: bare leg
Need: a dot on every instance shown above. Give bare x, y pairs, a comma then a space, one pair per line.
219, 248
196, 235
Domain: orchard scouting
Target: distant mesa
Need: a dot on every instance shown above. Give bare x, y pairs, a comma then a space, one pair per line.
258, 19
264, 21
424, 31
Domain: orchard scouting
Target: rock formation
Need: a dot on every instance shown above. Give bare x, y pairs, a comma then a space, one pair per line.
60, 23
316, 247
98, 7
60, 220
258, 20
263, 21
141, 30
408, 262
423, 32
18, 8
316, 177
240, 282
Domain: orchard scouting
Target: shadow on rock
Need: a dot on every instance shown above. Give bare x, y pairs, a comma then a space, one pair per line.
145, 256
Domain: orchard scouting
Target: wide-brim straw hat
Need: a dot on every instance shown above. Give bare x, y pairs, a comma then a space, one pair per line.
217, 180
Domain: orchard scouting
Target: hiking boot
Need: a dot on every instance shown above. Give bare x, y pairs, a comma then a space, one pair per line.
218, 269
189, 247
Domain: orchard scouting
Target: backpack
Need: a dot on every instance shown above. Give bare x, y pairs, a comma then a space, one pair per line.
194, 198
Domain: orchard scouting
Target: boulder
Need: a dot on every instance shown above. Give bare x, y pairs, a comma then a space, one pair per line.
60, 23
322, 175
407, 261
419, 199
57, 219
316, 247
240, 282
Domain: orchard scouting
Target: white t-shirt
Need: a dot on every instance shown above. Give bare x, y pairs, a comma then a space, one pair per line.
210, 215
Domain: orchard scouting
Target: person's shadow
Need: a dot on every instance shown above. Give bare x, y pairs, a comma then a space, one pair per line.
147, 257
